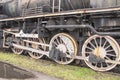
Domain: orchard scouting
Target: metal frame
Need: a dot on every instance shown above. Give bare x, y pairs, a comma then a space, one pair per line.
85, 26
48, 45
62, 13
47, 52
21, 34
53, 6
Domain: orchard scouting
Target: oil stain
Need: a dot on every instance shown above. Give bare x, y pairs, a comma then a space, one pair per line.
8, 71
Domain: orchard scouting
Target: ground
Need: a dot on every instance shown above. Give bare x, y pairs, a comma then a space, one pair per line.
38, 76
10, 72
56, 71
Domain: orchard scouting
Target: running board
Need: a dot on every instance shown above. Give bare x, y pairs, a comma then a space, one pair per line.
31, 49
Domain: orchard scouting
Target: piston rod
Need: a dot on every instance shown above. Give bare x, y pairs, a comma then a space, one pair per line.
47, 53
31, 49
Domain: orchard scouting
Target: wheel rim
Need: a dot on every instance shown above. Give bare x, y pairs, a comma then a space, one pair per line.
15, 49
34, 54
100, 48
67, 45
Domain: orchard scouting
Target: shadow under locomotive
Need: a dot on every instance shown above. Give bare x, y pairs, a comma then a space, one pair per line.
8, 71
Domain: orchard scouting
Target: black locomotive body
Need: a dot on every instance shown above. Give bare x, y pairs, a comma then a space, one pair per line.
63, 30
15, 7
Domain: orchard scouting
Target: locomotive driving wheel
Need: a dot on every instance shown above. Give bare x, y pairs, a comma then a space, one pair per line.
97, 49
17, 50
38, 47
66, 46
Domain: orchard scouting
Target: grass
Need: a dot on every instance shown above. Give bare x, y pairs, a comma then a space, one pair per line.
65, 72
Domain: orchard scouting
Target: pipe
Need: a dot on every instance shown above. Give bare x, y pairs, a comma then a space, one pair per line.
84, 26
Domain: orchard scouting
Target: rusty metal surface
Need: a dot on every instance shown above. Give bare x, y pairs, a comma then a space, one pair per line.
14, 8
63, 13
104, 3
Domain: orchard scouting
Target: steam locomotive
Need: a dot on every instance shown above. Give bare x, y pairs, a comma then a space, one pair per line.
63, 30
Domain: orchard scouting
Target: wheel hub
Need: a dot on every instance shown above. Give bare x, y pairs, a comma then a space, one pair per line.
34, 54
62, 48
100, 52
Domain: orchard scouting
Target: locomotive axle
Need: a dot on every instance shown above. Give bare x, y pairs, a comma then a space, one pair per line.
61, 48
47, 53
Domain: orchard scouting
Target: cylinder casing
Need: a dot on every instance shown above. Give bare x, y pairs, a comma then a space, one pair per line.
104, 3
14, 7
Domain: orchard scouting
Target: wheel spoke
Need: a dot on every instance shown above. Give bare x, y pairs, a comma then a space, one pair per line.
57, 41
87, 59
102, 50
67, 45
108, 47
100, 41
110, 51
111, 55
105, 43
61, 41
17, 50
38, 47
92, 45
96, 65
101, 65
88, 52
96, 42
107, 58
90, 48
